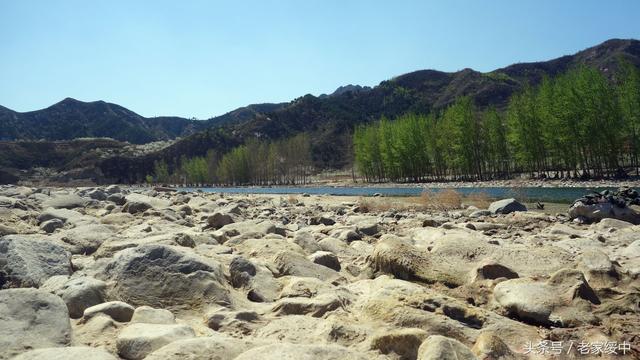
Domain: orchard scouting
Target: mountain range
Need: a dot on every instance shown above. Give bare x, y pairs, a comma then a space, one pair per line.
329, 118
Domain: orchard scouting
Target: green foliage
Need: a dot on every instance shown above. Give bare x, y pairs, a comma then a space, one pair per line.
195, 170
161, 171
418, 147
253, 163
578, 123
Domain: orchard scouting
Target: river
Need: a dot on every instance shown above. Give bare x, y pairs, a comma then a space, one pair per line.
530, 194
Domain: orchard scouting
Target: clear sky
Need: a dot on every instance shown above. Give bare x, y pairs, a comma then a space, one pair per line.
204, 58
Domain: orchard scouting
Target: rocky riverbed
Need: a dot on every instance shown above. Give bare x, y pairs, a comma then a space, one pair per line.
110, 272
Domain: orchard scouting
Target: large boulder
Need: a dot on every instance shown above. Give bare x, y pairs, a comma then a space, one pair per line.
403, 342
79, 293
291, 263
405, 261
214, 347
256, 228
565, 300
164, 276
65, 215
65, 353
50, 226
437, 347
219, 219
257, 280
32, 319
325, 258
70, 201
149, 315
86, 239
152, 202
506, 206
26, 262
136, 341
306, 241
595, 212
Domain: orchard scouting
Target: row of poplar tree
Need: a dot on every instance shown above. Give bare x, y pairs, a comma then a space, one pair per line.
257, 162
579, 124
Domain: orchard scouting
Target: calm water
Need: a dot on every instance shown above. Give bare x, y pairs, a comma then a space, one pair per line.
556, 194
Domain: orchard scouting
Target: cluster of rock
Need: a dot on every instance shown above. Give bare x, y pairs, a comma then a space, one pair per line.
107, 273
596, 206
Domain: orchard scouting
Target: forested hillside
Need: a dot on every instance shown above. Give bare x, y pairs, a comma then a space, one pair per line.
578, 124
331, 120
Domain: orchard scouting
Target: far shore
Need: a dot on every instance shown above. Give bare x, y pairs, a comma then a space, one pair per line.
514, 183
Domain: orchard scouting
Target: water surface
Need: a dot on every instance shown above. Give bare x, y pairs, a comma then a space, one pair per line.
548, 194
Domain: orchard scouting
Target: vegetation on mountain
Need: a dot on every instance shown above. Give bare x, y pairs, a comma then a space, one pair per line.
577, 124
331, 120
254, 163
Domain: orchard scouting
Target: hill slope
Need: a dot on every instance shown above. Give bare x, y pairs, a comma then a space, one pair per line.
71, 119
330, 119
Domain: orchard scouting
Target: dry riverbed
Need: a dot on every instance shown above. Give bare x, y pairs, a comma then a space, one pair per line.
109, 272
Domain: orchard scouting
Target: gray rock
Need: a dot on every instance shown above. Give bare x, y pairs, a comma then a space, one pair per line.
241, 271
32, 319
325, 258
79, 294
565, 300
6, 230
65, 353
437, 347
163, 276
113, 189
138, 340
490, 269
488, 345
222, 319
598, 269
316, 306
291, 263
149, 315
86, 239
403, 342
306, 241
97, 194
50, 226
321, 220
369, 228
506, 206
117, 310
8, 202
256, 228
480, 213
152, 201
117, 199
26, 262
218, 220
62, 214
215, 347
71, 201
348, 235
134, 207
600, 211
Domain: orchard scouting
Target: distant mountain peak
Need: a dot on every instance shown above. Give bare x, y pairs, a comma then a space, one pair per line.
347, 88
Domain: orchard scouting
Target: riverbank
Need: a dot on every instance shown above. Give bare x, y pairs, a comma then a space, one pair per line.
138, 273
514, 183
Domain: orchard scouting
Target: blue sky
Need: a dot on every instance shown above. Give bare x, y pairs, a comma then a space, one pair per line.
204, 58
